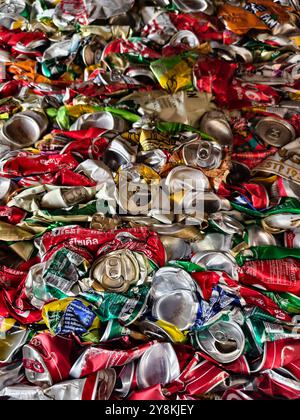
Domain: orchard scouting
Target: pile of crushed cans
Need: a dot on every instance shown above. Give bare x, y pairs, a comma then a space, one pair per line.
149, 199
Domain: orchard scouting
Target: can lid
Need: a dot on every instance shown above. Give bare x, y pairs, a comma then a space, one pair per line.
116, 271
275, 131
223, 341
203, 154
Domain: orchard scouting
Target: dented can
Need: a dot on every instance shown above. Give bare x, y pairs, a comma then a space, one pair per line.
203, 154
275, 131
223, 341
23, 129
179, 308
159, 364
47, 359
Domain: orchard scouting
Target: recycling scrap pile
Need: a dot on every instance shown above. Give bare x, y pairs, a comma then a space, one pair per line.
149, 199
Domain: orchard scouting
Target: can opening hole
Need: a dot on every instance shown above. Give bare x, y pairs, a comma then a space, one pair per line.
226, 347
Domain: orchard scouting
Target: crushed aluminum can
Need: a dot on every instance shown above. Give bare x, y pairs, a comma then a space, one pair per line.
178, 230
13, 7
11, 344
149, 200
216, 125
48, 360
94, 359
66, 197
23, 129
104, 120
179, 308
125, 380
239, 174
186, 38
159, 364
223, 341
285, 163
275, 131
154, 330
176, 248
292, 239
119, 153
202, 154
170, 279
226, 223
11, 374
183, 178
97, 387
258, 237
213, 242
285, 188
24, 393
118, 271
278, 223
154, 158
217, 261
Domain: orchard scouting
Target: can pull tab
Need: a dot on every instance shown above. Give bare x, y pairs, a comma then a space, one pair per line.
113, 268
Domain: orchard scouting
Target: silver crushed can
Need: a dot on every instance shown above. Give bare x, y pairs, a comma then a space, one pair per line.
223, 341
158, 365
216, 125
23, 129
275, 131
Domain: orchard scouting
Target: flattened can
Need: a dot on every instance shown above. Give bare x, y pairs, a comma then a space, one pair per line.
23, 129
179, 308
202, 154
158, 365
116, 272
103, 120
48, 359
215, 124
170, 279
275, 131
217, 261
